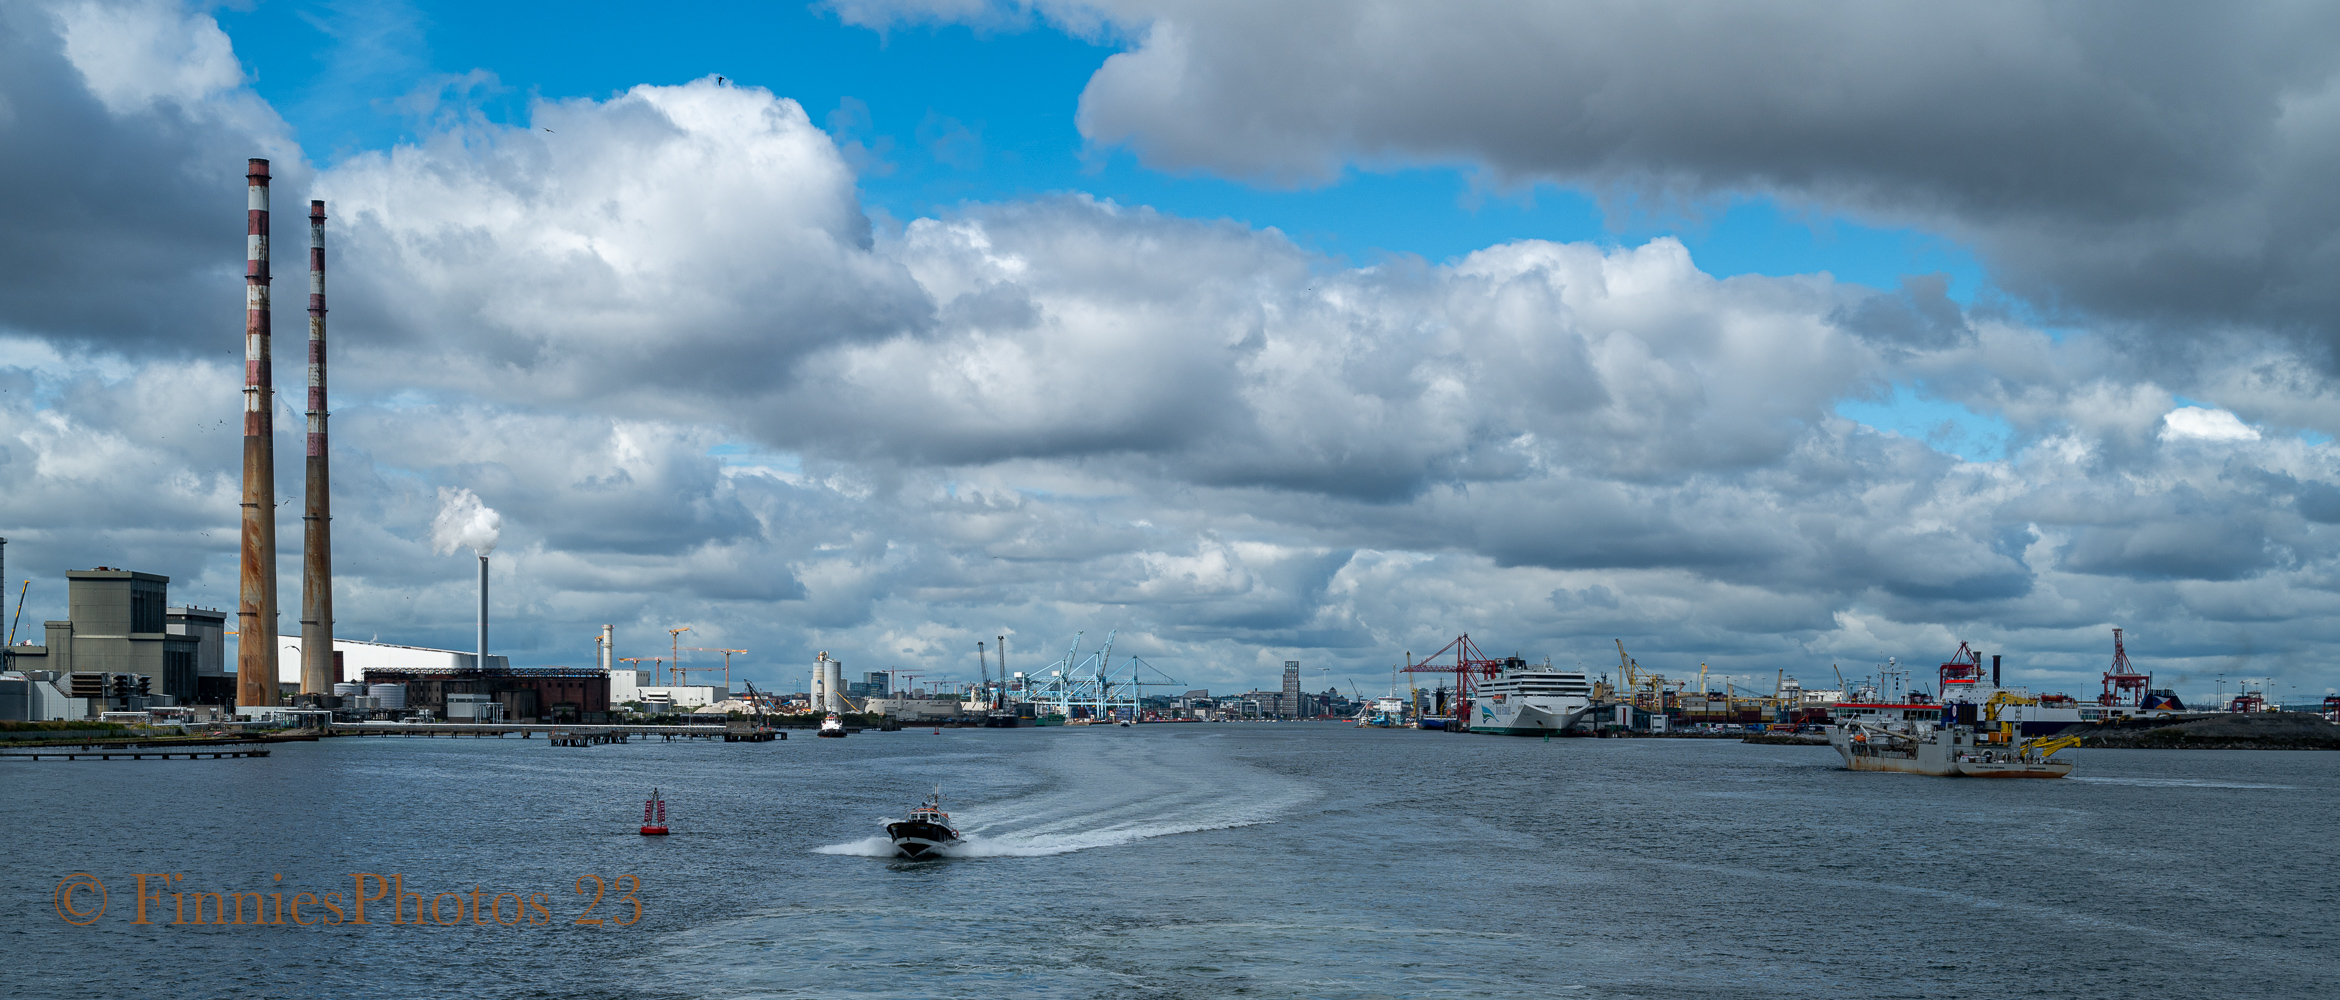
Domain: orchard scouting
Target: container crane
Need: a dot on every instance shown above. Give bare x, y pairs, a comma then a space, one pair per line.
1470, 665
2123, 685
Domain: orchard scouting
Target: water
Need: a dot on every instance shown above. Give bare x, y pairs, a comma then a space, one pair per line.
1194, 861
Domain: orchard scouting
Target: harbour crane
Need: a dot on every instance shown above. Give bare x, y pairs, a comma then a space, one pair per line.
1469, 665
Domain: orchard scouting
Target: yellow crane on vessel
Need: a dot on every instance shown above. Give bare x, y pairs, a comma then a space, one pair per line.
2045, 746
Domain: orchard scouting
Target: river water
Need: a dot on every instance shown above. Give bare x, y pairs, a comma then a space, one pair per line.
1267, 860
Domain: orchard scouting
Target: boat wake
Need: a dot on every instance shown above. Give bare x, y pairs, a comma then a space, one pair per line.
1108, 796
2177, 783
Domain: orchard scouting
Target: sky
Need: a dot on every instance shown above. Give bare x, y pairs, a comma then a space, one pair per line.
1779, 339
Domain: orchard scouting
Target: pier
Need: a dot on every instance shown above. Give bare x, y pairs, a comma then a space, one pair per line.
136, 755
562, 734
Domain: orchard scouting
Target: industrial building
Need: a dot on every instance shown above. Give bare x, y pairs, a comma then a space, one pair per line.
208, 627
499, 693
631, 687
115, 643
354, 658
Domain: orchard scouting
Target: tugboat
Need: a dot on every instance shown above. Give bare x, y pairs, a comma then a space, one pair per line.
925, 831
654, 815
832, 726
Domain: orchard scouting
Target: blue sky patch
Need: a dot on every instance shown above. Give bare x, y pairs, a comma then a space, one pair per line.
1947, 426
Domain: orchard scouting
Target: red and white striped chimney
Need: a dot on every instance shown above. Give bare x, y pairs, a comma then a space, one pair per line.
317, 511
256, 597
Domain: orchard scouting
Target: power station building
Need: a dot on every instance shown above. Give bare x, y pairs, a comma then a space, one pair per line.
120, 622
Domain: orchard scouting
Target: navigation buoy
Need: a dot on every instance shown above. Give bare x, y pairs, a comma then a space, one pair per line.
654, 815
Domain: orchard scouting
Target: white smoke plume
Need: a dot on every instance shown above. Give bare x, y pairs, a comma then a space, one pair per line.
464, 522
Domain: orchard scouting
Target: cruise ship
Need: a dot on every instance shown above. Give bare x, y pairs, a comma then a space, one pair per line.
1521, 700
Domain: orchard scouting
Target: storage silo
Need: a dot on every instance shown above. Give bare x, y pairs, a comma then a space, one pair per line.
828, 687
393, 696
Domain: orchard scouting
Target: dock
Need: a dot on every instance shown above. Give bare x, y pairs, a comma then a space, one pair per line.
555, 734
136, 755
524, 730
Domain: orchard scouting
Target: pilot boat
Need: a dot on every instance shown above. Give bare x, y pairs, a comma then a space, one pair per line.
832, 726
925, 832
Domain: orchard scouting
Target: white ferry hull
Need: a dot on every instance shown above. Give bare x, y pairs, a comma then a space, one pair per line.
1516, 716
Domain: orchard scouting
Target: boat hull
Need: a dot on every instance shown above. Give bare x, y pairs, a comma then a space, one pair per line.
1942, 755
918, 840
1527, 717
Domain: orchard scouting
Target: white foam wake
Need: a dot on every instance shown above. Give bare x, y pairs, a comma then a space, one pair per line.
1098, 796
2177, 783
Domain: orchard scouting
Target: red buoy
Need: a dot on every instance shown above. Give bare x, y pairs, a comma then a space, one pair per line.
654, 815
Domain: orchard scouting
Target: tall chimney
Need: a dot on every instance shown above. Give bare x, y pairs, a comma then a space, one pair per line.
256, 595
483, 613
608, 649
317, 674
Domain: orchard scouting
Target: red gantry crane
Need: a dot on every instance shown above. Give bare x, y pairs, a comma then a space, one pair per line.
2123, 685
1468, 666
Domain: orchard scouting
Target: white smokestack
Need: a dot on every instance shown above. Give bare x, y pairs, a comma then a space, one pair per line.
464, 522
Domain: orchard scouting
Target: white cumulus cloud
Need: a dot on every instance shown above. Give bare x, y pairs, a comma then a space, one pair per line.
2201, 423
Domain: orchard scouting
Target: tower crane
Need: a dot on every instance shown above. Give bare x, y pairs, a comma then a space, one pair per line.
675, 636
714, 649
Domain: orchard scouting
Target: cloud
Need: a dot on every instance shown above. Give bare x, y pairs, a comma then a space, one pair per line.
2204, 424
2164, 171
671, 243
123, 134
707, 391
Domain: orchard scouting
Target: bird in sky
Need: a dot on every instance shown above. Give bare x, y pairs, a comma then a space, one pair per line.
546, 129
